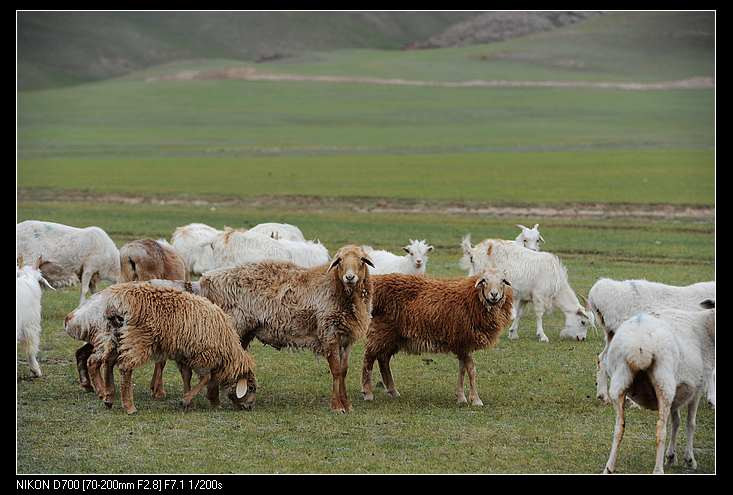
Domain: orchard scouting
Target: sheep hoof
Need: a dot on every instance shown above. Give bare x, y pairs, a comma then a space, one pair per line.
543, 338
158, 394
367, 396
477, 402
607, 471
461, 400
671, 459
513, 336
86, 387
108, 404
393, 393
132, 410
604, 398
691, 463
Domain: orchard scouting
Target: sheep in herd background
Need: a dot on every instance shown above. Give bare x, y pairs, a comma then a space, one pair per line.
615, 301
69, 254
187, 239
145, 321
536, 277
413, 263
417, 314
146, 259
280, 231
662, 361
324, 309
28, 295
529, 238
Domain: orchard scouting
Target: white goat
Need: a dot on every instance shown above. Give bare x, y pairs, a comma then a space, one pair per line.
536, 277
281, 231
662, 361
70, 254
28, 311
529, 238
187, 239
413, 263
614, 301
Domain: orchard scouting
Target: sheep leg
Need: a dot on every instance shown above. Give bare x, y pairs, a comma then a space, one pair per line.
460, 391
366, 375
334, 365
31, 348
212, 393
602, 377
514, 328
126, 391
344, 357
472, 392
156, 383
618, 432
186, 374
86, 278
664, 409
539, 311
671, 456
109, 382
94, 362
188, 397
691, 426
82, 355
386, 373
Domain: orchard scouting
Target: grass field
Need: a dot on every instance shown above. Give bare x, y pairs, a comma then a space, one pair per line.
323, 157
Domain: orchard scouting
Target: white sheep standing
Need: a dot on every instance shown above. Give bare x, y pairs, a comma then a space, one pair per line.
413, 263
529, 238
614, 301
281, 231
28, 310
662, 361
70, 254
187, 239
536, 277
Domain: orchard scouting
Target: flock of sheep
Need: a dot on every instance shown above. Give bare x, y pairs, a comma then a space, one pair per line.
271, 284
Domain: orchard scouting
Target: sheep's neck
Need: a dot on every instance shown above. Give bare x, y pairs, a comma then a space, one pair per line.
566, 300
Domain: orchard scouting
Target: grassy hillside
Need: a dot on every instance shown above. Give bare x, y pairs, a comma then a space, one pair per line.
61, 48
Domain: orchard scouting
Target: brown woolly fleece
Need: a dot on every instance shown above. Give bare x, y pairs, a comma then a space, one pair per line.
146, 259
148, 321
284, 305
418, 314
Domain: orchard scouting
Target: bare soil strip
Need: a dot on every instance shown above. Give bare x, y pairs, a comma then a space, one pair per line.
391, 205
251, 74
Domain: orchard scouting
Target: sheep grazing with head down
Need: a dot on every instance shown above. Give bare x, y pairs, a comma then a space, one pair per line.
146, 321
529, 238
615, 301
69, 254
537, 277
146, 259
417, 314
325, 309
662, 360
28, 295
280, 231
412, 263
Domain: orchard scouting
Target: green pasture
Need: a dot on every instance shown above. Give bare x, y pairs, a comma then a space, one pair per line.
541, 414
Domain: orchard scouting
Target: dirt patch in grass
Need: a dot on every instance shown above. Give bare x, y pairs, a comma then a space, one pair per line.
392, 205
252, 74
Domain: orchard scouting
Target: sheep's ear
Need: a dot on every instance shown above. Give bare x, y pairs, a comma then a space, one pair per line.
542, 238
334, 263
506, 282
479, 282
241, 390
367, 261
521, 226
406, 249
535, 226
430, 248
708, 304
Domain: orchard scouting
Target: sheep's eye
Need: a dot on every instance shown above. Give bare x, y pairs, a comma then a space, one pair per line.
582, 323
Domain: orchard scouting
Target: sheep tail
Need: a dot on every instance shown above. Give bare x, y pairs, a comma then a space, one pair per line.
640, 359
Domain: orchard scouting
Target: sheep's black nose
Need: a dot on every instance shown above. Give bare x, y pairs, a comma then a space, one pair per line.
349, 277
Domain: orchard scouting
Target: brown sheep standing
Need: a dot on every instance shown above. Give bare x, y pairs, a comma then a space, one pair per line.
417, 314
147, 321
325, 309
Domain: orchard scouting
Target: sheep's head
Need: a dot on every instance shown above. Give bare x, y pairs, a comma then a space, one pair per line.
577, 324
202, 256
475, 258
242, 392
350, 266
88, 320
492, 288
418, 251
32, 272
530, 238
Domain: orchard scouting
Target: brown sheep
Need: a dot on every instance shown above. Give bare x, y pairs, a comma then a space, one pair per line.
417, 314
325, 309
146, 321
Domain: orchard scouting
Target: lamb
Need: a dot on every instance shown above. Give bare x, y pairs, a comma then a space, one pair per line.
146, 321
187, 239
418, 314
325, 309
529, 238
662, 361
412, 263
28, 295
146, 259
70, 254
280, 231
537, 277
614, 301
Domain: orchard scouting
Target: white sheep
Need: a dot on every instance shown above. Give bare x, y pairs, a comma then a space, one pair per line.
281, 231
536, 277
70, 254
662, 361
413, 263
529, 238
614, 301
187, 239
28, 310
